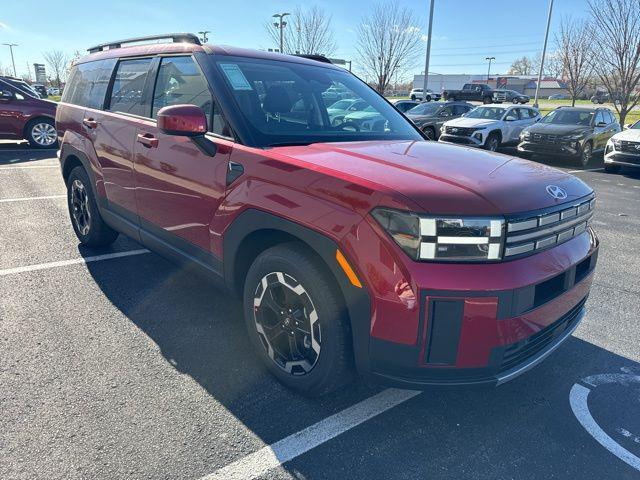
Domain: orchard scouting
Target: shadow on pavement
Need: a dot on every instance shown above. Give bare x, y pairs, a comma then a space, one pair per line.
15, 153
524, 429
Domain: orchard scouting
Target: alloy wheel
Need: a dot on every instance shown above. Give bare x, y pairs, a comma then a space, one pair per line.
44, 134
586, 155
287, 323
493, 144
80, 207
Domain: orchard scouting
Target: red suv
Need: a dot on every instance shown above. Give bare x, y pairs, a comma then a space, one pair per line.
355, 245
24, 116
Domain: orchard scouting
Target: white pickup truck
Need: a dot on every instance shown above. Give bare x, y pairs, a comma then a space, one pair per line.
489, 126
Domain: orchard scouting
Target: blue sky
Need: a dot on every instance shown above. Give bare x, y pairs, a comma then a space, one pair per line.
464, 31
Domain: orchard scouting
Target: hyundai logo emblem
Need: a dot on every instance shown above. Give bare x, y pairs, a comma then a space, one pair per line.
556, 192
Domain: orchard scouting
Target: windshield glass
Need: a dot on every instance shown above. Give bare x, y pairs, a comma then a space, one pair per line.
424, 109
569, 117
635, 126
287, 103
489, 113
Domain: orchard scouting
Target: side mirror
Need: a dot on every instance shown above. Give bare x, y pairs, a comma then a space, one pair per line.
6, 95
601, 124
185, 120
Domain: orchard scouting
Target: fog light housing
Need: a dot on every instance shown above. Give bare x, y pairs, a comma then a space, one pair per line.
478, 136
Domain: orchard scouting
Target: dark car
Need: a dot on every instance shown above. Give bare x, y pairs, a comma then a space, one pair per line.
429, 117
405, 105
480, 92
22, 86
571, 132
512, 96
23, 115
41, 89
354, 248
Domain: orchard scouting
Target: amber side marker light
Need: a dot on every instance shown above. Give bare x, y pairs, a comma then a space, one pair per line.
347, 269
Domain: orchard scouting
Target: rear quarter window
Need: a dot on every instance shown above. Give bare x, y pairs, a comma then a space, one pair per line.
88, 83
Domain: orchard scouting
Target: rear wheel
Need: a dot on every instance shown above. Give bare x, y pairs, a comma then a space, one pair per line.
41, 133
428, 99
296, 321
413, 97
83, 210
486, 100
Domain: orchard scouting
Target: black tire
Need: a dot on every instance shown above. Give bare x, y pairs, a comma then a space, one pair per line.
611, 168
413, 97
586, 154
428, 99
487, 100
89, 227
430, 133
332, 365
492, 143
39, 133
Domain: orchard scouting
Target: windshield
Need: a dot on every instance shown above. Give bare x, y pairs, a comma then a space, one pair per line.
635, 126
569, 117
424, 109
489, 113
286, 103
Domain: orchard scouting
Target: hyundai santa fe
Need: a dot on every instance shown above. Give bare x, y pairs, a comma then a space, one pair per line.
357, 247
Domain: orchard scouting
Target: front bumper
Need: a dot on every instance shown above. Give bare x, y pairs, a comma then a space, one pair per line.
615, 157
565, 149
475, 324
470, 141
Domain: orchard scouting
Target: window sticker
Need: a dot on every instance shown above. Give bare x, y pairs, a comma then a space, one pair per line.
235, 76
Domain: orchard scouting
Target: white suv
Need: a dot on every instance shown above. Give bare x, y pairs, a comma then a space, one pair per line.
418, 94
489, 126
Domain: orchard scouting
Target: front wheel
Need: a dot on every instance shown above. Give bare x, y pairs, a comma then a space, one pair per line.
296, 320
428, 99
83, 211
493, 143
430, 133
585, 155
413, 97
487, 100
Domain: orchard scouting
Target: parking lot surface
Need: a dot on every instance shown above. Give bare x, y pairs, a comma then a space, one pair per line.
117, 364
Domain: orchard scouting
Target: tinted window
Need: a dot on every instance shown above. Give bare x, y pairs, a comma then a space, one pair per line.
128, 87
88, 83
286, 103
600, 117
447, 111
489, 113
180, 82
460, 109
424, 109
612, 118
527, 113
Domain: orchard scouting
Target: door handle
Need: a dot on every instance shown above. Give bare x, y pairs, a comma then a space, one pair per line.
148, 140
89, 123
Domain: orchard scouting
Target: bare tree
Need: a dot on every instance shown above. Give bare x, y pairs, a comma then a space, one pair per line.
307, 32
616, 40
388, 43
58, 63
574, 47
521, 66
553, 66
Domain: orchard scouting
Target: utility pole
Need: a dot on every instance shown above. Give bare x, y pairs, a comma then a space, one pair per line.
280, 24
489, 69
11, 45
203, 35
544, 52
426, 62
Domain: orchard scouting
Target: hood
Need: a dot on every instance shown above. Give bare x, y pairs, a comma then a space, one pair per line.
556, 129
471, 122
631, 135
439, 178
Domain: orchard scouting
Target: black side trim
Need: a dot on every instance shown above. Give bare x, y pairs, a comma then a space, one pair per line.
234, 171
357, 300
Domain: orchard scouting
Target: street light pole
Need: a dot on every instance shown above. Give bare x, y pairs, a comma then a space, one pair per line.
489, 69
280, 24
426, 62
11, 45
544, 52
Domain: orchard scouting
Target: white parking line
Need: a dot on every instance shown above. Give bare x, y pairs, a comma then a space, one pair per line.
271, 456
64, 263
27, 167
587, 170
26, 199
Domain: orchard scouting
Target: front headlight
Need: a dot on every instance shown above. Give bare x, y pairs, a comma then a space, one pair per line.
616, 143
444, 239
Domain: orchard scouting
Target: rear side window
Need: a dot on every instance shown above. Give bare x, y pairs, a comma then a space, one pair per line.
460, 109
88, 83
127, 94
180, 82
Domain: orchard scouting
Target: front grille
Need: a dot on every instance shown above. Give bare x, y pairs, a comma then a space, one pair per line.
630, 147
531, 233
501, 97
462, 131
520, 352
546, 138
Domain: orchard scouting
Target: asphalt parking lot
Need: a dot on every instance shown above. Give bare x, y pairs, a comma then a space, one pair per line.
117, 364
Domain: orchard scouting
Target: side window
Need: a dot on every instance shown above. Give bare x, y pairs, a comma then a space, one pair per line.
88, 83
600, 117
447, 111
180, 82
612, 118
127, 94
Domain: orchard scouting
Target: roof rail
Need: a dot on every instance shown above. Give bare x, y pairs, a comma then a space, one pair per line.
175, 37
317, 58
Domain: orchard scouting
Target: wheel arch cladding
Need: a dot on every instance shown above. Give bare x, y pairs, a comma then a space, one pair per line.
253, 231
